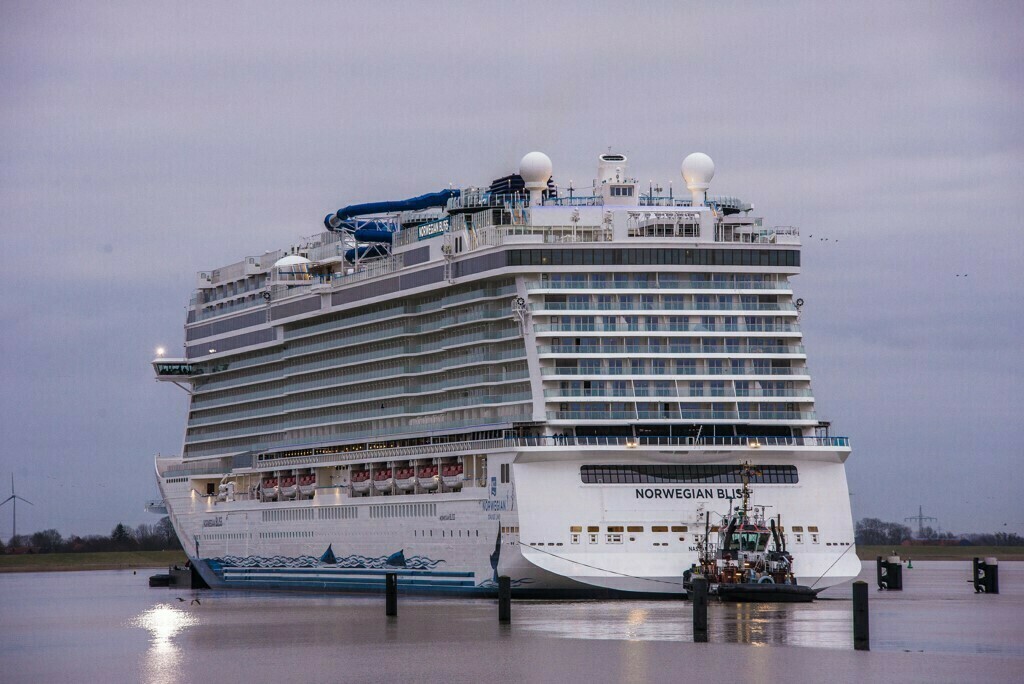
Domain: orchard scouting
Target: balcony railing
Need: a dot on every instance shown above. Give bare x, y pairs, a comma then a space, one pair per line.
685, 371
560, 442
650, 284
597, 394
668, 349
541, 308
662, 327
687, 415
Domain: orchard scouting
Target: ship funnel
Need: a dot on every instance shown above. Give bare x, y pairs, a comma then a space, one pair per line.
535, 168
698, 170
610, 167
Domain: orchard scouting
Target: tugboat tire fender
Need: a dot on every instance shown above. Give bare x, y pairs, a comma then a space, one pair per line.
767, 579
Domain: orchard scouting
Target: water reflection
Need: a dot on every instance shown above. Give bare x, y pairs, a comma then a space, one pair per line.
160, 665
824, 624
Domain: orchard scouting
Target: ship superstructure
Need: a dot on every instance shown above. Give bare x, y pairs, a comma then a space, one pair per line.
521, 379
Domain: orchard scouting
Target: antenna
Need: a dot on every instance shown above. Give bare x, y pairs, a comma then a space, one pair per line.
14, 497
920, 518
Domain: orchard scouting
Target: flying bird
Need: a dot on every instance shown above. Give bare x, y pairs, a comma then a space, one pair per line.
196, 601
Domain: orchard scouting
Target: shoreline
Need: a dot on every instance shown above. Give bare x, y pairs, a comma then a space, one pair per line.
103, 560
138, 560
943, 553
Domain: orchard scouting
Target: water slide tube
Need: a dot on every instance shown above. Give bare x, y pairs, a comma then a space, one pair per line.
380, 231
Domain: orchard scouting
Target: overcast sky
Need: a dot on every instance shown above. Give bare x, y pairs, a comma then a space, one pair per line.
142, 143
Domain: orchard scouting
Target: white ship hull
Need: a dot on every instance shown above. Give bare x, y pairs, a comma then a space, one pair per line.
460, 542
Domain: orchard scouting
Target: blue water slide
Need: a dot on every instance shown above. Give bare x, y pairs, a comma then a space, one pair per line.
340, 219
366, 252
373, 231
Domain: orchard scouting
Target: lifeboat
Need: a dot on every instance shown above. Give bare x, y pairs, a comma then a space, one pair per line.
405, 478
383, 479
428, 478
288, 487
360, 481
307, 485
451, 474
269, 488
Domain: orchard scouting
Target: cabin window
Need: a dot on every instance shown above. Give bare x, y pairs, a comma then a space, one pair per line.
659, 528
614, 538
592, 537
814, 537
574, 538
679, 528
635, 528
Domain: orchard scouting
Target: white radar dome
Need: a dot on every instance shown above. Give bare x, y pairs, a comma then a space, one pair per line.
698, 170
291, 260
535, 168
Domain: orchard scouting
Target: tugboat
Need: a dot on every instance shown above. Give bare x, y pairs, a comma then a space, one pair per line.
740, 566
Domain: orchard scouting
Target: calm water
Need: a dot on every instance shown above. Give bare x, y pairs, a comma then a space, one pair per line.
110, 626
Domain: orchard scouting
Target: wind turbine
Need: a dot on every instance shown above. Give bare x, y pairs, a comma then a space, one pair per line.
14, 497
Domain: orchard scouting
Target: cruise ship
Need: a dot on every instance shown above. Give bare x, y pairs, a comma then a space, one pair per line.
556, 384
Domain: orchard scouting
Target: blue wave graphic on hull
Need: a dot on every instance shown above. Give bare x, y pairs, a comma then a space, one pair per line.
491, 584
353, 561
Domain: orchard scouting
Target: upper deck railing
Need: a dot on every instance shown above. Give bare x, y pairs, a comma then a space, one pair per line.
361, 452
642, 441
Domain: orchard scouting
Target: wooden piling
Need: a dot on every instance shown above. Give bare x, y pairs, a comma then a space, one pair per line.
699, 599
861, 635
504, 600
391, 603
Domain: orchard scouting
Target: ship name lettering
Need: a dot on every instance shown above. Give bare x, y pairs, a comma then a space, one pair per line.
686, 493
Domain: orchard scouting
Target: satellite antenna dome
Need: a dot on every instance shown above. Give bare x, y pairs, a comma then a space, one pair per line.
698, 170
535, 168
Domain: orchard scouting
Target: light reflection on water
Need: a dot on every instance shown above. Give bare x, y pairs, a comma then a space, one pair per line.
821, 625
161, 662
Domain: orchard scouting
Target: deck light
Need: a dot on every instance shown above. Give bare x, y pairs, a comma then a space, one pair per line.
160, 351
631, 442
754, 444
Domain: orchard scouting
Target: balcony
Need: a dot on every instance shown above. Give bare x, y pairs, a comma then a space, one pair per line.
675, 348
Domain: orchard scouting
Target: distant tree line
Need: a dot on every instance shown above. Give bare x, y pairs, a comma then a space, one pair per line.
158, 537
875, 532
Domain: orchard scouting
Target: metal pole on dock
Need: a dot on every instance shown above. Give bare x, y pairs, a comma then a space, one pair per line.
391, 603
504, 600
890, 573
861, 637
699, 598
986, 576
